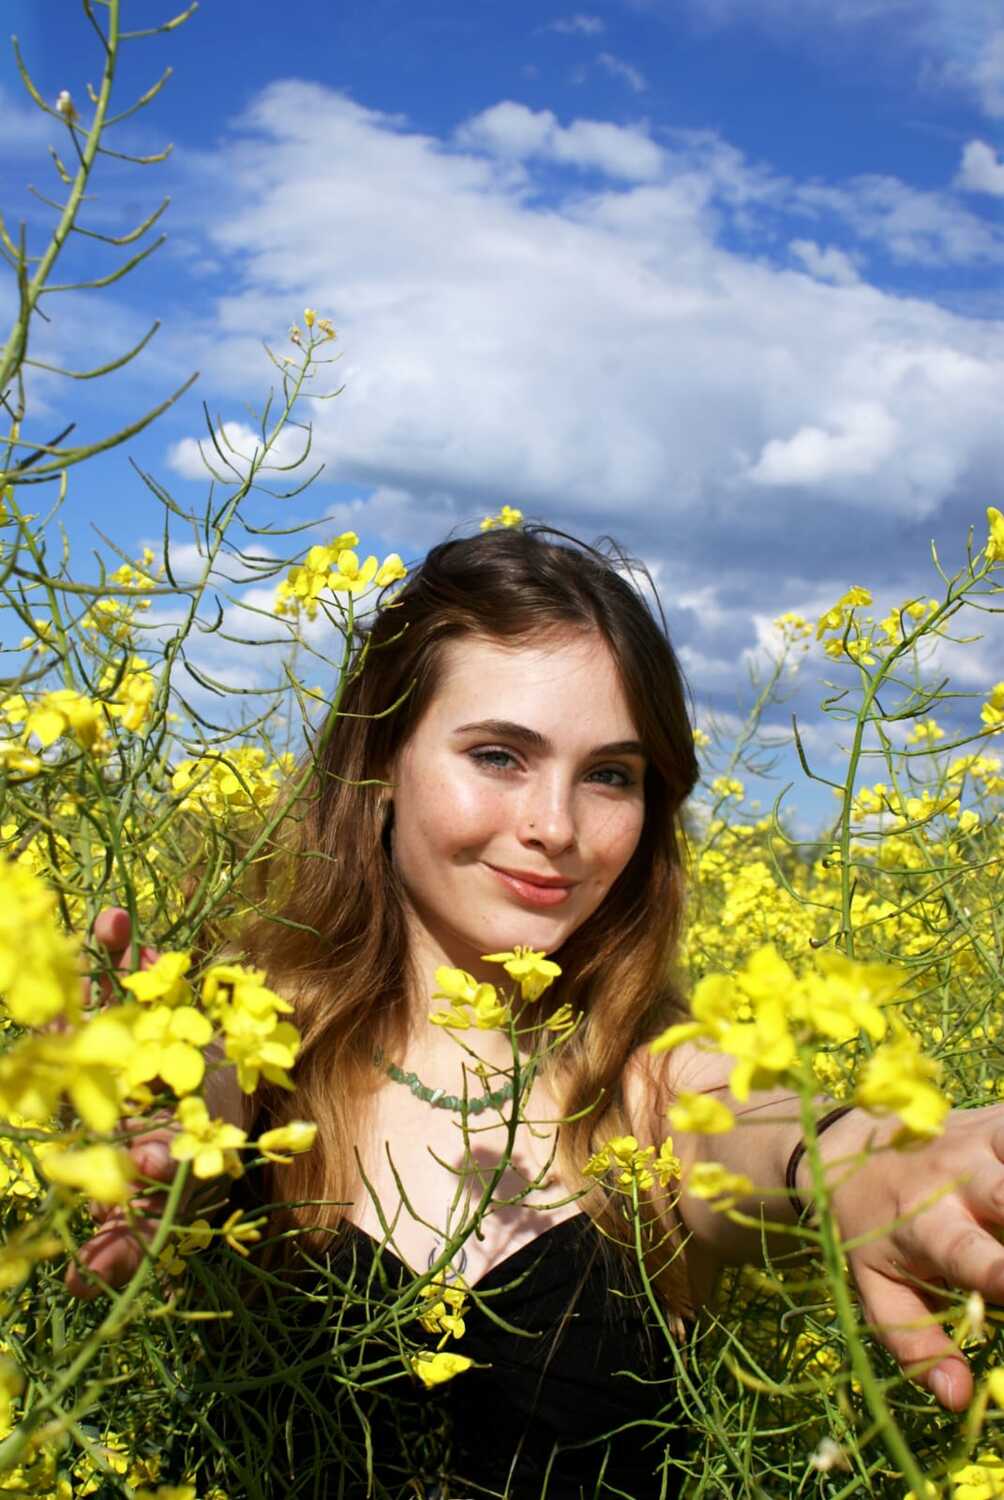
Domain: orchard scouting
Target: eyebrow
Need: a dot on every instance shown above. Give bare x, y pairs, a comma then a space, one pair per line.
504, 729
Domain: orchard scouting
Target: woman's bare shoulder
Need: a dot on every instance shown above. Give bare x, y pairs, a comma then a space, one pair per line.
648, 1092
651, 1083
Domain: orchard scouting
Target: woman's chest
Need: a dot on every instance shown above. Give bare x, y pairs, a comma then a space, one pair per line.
426, 1170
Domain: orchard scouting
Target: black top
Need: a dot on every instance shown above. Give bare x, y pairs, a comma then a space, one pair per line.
573, 1394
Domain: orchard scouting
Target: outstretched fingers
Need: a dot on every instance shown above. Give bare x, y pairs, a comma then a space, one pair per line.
113, 931
112, 1256
902, 1319
960, 1251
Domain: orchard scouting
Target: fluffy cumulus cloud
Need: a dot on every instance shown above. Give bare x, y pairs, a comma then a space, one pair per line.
590, 345
981, 171
229, 451
827, 262
514, 132
861, 439
572, 317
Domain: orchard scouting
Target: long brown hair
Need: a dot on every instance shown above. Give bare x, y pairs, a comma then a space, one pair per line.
331, 934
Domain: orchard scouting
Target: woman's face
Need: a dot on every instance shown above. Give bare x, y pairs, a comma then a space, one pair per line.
518, 799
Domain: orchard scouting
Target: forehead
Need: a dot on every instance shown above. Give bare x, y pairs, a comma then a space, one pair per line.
568, 679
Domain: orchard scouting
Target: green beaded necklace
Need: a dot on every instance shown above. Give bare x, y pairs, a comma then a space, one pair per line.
439, 1098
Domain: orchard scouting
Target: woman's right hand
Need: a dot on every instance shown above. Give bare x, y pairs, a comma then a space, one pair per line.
114, 1254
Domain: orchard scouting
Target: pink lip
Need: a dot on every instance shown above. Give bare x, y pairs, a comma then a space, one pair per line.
539, 890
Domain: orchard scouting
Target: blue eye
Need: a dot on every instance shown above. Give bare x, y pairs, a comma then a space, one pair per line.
496, 759
490, 759
625, 778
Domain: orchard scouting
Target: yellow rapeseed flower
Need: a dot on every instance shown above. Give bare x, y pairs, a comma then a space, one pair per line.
633, 1163
280, 1144
17, 763
715, 1183
164, 980
11, 1386
210, 1145
62, 711
436, 1369
101, 1172
484, 1010
168, 1041
533, 972
700, 1114
835, 619
899, 1080
391, 570
992, 712
39, 977
507, 516
247, 1012
350, 576
445, 1314
239, 1232
995, 536
982, 1480
129, 694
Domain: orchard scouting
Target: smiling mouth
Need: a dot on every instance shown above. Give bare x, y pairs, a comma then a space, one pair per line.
545, 892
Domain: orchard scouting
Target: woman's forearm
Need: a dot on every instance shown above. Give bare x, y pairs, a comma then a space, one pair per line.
768, 1129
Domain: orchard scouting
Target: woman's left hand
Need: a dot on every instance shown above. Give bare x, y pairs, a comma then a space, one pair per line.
945, 1202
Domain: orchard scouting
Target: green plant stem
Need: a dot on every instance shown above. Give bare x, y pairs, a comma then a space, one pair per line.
837, 1280
110, 1328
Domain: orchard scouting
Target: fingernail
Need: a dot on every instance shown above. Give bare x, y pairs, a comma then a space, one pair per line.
941, 1386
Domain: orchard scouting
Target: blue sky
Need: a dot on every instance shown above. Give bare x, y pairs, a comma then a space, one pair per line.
722, 277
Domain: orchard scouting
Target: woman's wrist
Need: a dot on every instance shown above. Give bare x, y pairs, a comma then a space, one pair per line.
798, 1171
843, 1133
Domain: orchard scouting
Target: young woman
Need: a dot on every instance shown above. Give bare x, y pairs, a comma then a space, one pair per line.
508, 767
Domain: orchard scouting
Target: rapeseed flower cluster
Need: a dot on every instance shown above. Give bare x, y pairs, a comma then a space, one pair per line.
766, 1017
630, 1165
470, 1004
508, 516
334, 568
104, 1062
237, 781
444, 1309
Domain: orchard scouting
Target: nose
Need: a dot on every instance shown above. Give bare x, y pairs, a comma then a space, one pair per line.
547, 820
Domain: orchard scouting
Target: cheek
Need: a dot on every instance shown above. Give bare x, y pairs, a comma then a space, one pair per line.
616, 839
443, 816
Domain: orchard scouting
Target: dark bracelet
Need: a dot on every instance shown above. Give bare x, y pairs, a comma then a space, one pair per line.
801, 1212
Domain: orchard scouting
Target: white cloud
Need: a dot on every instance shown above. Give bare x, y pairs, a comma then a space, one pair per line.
591, 353
578, 25
409, 525
229, 457
980, 170
913, 227
512, 131
25, 128
625, 71
861, 439
826, 264
988, 75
